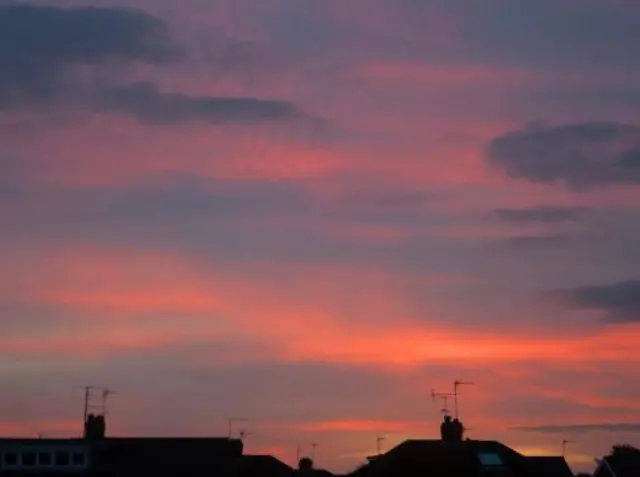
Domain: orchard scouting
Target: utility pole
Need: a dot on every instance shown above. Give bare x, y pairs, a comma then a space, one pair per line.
378, 442
456, 385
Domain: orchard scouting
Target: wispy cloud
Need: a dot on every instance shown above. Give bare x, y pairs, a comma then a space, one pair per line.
581, 428
542, 214
146, 102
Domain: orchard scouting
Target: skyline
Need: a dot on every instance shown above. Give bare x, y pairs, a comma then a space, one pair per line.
312, 213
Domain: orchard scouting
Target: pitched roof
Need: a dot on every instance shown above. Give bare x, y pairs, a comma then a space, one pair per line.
549, 466
437, 457
261, 465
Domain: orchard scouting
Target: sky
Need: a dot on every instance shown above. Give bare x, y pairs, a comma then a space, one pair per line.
311, 213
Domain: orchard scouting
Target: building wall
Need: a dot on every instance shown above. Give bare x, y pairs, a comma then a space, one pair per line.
45, 457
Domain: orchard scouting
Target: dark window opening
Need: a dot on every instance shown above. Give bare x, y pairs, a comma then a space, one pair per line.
44, 458
62, 458
10, 458
29, 458
77, 458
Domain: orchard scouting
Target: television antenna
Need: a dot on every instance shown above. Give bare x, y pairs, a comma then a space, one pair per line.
564, 446
379, 441
244, 434
230, 423
89, 404
106, 392
445, 398
456, 385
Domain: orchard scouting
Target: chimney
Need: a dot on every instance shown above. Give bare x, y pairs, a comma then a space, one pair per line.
95, 427
451, 430
305, 465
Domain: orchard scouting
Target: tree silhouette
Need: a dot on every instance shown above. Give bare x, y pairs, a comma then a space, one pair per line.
624, 449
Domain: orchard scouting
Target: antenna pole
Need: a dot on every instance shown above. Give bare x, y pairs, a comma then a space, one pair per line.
445, 397
230, 422
87, 397
88, 405
106, 392
564, 446
457, 384
313, 451
378, 442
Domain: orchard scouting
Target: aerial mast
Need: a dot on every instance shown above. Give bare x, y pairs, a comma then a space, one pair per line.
230, 422
106, 392
89, 405
87, 398
564, 446
445, 398
456, 385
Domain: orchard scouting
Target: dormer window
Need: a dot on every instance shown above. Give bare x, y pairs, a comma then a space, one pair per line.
490, 460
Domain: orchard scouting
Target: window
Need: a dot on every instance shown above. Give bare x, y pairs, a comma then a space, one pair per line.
44, 458
62, 458
78, 458
490, 460
29, 458
10, 458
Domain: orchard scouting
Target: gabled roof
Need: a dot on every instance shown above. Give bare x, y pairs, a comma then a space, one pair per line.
549, 466
437, 457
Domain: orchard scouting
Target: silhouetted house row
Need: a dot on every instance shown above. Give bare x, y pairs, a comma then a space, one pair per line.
121, 457
96, 455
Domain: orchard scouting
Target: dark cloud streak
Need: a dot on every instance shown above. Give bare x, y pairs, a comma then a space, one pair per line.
577, 155
543, 242
619, 301
542, 214
581, 428
148, 104
41, 46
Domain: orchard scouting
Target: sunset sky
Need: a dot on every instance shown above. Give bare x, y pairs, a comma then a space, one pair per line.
310, 213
